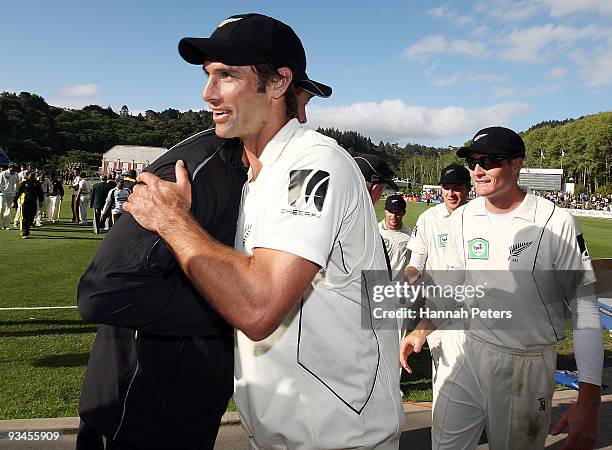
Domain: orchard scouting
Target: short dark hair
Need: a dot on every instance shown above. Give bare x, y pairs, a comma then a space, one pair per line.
268, 72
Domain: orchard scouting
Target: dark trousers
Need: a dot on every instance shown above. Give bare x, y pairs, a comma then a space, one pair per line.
176, 397
28, 212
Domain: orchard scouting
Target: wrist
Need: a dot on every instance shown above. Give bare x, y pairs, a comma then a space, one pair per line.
589, 396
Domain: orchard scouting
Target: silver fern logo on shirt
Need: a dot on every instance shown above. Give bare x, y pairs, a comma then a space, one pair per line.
517, 249
307, 191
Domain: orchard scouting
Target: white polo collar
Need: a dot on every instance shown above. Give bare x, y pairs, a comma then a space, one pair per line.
526, 210
275, 147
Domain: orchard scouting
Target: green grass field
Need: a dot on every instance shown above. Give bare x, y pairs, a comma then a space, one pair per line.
43, 353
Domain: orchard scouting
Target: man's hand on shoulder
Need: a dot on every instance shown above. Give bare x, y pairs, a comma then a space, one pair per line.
157, 204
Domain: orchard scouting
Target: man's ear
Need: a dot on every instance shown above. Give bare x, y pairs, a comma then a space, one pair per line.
281, 83
517, 165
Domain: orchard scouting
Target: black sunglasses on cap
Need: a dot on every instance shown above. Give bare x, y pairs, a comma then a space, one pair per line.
487, 162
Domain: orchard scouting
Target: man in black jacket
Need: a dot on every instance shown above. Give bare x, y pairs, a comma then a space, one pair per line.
99, 191
160, 373
30, 196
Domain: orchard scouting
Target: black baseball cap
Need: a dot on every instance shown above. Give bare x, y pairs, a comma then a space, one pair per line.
395, 203
494, 141
455, 174
248, 39
375, 169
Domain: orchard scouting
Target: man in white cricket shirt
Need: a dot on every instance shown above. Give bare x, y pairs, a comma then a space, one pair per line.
428, 244
533, 257
396, 235
308, 375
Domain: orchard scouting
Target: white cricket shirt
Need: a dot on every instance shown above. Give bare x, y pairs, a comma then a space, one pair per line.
529, 265
320, 380
396, 242
430, 235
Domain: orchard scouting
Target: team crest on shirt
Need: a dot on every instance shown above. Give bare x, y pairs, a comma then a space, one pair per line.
478, 249
517, 249
442, 238
307, 192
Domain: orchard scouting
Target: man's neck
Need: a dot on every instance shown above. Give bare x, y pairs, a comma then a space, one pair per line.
254, 145
505, 203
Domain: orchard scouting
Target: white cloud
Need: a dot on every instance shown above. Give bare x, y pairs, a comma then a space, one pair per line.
565, 7
501, 92
430, 45
473, 49
486, 78
557, 73
395, 121
444, 12
426, 46
440, 81
541, 90
596, 67
541, 43
509, 10
80, 90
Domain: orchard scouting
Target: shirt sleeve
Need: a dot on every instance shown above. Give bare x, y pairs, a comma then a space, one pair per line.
306, 210
572, 262
418, 240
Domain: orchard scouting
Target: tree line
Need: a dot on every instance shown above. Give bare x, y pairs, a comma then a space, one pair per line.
33, 131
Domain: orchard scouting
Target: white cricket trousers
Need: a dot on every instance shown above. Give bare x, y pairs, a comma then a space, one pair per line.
6, 201
54, 208
483, 385
83, 205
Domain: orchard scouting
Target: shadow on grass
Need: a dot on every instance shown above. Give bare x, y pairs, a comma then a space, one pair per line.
49, 236
67, 360
48, 332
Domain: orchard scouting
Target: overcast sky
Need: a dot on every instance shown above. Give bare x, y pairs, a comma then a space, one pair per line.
426, 72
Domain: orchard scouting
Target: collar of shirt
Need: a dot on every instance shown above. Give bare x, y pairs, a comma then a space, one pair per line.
383, 224
442, 211
275, 147
526, 210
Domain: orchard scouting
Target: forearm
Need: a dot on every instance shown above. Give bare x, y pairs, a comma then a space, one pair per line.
225, 278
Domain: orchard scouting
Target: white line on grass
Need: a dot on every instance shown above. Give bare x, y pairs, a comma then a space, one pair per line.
36, 308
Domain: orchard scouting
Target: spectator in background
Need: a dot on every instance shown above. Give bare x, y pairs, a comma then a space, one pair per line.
83, 195
74, 200
29, 196
130, 179
97, 200
55, 199
115, 199
22, 177
9, 181
47, 188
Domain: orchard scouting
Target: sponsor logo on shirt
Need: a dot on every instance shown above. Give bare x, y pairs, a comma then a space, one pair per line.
414, 231
307, 191
517, 249
442, 238
583, 248
478, 249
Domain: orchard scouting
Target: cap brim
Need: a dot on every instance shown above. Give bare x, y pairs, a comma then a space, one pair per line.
197, 50
314, 87
391, 184
463, 152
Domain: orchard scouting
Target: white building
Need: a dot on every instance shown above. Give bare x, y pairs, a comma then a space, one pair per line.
126, 157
